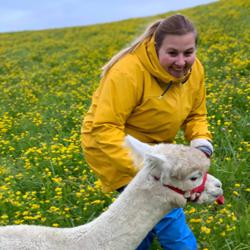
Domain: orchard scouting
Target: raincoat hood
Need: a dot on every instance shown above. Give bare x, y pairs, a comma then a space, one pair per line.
146, 53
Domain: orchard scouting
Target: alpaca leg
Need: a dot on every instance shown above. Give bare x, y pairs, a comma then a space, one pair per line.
173, 233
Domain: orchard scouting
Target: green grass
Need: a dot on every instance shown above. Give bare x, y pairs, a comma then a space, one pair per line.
47, 79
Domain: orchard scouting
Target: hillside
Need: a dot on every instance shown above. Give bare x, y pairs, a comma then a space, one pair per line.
47, 79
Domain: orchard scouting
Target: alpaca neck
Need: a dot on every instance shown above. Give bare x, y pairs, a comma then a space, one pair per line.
135, 212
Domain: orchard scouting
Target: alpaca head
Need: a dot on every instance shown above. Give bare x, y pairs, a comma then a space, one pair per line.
213, 191
178, 166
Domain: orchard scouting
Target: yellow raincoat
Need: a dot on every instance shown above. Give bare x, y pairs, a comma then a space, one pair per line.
130, 100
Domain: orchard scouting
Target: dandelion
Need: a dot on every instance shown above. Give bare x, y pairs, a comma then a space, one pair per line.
195, 220
54, 209
236, 193
209, 219
57, 180
233, 216
98, 184
4, 216
220, 221
191, 211
223, 234
96, 202
205, 230
35, 206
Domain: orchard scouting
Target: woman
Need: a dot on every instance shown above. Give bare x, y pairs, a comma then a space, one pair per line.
149, 90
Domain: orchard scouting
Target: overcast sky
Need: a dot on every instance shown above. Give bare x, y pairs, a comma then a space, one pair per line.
16, 15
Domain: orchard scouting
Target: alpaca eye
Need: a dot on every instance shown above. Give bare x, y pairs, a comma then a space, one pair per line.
193, 178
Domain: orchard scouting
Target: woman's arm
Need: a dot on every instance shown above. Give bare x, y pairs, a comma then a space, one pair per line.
114, 101
196, 124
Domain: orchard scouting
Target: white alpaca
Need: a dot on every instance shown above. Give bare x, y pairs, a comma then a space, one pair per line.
141, 205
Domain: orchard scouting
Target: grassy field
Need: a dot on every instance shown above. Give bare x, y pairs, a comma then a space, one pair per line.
47, 79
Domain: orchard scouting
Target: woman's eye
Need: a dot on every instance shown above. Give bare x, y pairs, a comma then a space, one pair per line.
172, 53
188, 53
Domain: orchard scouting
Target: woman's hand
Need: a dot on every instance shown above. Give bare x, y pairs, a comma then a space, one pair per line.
204, 145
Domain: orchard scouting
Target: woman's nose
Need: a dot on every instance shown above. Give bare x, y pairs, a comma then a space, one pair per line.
180, 60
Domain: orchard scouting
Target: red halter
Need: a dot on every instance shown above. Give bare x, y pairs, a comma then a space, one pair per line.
198, 190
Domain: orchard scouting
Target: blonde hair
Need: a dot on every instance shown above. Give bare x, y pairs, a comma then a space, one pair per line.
173, 25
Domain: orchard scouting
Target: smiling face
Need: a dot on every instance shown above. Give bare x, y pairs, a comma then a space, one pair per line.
177, 54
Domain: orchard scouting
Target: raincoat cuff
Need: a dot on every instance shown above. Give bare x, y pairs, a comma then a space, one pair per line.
204, 145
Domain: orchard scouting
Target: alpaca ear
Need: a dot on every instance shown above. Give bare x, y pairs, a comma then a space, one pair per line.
158, 165
139, 149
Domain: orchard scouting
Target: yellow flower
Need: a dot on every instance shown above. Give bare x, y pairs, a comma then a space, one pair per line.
57, 180
195, 220
53, 209
58, 190
4, 216
96, 202
205, 230
98, 184
233, 216
236, 193
35, 206
25, 213
220, 221
192, 210
209, 219
223, 234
